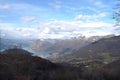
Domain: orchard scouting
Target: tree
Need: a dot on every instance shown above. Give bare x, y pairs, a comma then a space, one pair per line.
0, 40
106, 58
116, 14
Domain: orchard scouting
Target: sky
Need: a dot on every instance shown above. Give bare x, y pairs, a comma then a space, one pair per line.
56, 19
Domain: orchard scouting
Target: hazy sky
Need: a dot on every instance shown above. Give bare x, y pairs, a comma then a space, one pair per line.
56, 18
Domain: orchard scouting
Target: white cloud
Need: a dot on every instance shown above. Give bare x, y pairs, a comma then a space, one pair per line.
5, 7
59, 29
18, 29
95, 33
28, 18
46, 30
100, 4
90, 17
27, 35
95, 25
64, 29
51, 36
56, 5
90, 8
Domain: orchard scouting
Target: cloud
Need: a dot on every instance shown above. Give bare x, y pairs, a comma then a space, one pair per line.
27, 35
18, 29
100, 4
51, 36
91, 17
96, 33
95, 25
56, 5
28, 18
59, 29
46, 30
90, 8
5, 7
66, 29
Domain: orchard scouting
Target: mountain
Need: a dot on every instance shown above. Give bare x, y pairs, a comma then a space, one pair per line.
109, 71
18, 64
50, 48
6, 43
112, 71
105, 50
44, 48
54, 48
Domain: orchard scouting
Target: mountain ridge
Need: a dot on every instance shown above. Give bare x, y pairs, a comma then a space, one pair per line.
104, 46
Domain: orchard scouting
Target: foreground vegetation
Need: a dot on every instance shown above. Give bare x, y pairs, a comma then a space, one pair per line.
18, 64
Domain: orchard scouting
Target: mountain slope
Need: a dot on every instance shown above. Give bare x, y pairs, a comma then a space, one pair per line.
54, 48
112, 70
18, 64
106, 47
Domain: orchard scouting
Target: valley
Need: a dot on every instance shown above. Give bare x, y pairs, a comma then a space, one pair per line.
98, 60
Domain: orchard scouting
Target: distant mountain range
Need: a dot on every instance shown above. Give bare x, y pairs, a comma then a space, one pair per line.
54, 48
11, 43
104, 50
51, 48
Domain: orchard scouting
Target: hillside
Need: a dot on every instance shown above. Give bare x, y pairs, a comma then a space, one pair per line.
112, 70
105, 49
18, 64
